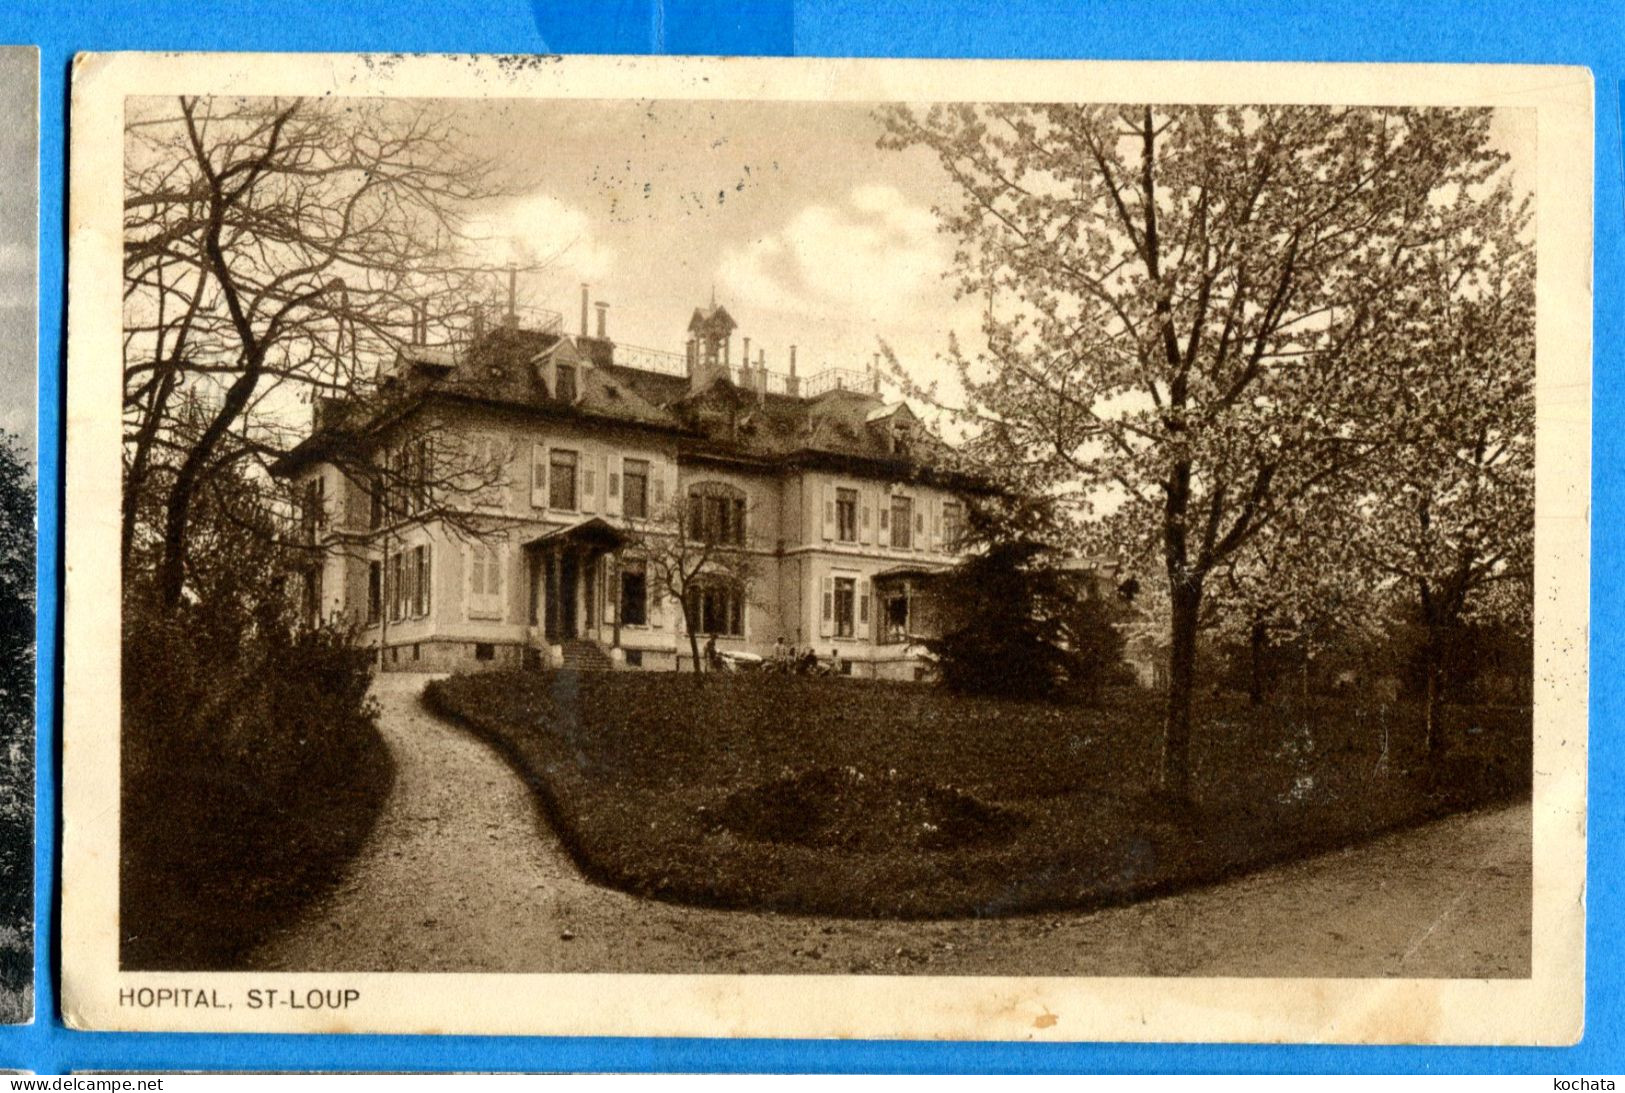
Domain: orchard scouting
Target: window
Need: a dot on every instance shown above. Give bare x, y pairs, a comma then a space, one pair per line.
375, 592
893, 615
716, 514
485, 581
634, 594
635, 503
421, 582
566, 383
562, 479
846, 596
846, 515
902, 522
488, 461
397, 582
716, 609
634, 658
313, 515
419, 482
484, 650
313, 596
953, 524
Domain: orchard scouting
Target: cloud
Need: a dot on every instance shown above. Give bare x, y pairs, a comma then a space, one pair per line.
871, 255
540, 229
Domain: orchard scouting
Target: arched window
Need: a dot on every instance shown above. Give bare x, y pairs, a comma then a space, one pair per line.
716, 513
716, 607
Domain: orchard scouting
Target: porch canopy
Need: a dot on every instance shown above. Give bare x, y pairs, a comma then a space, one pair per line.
593, 532
566, 579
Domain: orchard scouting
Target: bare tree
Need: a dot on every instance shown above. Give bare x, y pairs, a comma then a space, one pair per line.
698, 542
275, 252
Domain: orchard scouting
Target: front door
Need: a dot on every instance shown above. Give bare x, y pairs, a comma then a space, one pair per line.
560, 573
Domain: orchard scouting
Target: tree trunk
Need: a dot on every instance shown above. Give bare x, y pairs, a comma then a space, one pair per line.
1433, 713
1175, 778
693, 638
1257, 640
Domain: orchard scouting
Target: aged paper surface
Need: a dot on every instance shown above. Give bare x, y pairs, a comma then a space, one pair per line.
1247, 1003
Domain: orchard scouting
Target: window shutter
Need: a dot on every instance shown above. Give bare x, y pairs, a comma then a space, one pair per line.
936, 522
919, 527
866, 526
428, 578
885, 513
657, 489
863, 609
612, 591
538, 475
420, 581
589, 484
829, 511
657, 601
493, 578
826, 619
612, 490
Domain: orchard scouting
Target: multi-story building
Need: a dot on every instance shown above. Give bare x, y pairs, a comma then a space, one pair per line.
497, 504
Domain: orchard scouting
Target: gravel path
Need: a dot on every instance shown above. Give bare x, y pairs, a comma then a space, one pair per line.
462, 874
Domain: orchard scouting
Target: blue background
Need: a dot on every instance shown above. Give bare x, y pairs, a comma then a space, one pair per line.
1589, 32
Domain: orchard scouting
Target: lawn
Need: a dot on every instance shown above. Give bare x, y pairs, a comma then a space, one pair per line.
876, 799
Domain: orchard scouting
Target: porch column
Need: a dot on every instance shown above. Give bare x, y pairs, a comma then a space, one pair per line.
551, 591
612, 589
583, 575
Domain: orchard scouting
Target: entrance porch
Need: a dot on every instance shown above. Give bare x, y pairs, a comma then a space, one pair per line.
573, 622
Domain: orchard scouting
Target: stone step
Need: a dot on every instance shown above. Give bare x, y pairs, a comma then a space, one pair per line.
586, 656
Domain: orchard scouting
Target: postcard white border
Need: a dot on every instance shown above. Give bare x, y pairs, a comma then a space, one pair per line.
1544, 1009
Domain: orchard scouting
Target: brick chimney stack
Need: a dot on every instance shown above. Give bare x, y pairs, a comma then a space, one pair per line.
792, 386
584, 309
603, 320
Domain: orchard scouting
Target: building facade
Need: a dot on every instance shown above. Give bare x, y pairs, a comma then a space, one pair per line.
525, 498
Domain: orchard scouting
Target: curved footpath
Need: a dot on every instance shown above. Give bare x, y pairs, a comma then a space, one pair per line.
462, 874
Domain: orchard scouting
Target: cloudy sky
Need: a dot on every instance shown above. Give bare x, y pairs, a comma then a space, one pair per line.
19, 203
806, 231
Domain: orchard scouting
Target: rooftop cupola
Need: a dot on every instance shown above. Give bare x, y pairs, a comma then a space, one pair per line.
710, 332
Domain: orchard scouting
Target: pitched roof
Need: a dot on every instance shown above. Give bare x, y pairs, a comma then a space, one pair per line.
510, 368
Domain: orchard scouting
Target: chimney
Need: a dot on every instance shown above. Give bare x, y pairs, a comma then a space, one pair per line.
583, 309
792, 386
761, 374
511, 320
745, 371
603, 320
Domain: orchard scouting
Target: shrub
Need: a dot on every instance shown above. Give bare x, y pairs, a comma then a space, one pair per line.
252, 771
1015, 623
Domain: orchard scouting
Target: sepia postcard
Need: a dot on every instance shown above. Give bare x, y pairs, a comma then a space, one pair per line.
827, 548
19, 260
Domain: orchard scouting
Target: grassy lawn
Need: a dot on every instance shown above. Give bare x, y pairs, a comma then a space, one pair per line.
877, 799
